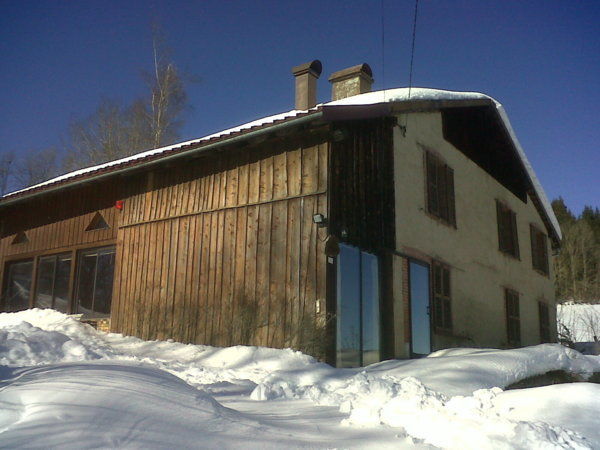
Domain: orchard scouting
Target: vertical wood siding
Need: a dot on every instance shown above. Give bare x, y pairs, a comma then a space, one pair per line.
58, 221
222, 250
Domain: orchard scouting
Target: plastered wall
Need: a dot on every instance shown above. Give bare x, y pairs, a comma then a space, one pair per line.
479, 271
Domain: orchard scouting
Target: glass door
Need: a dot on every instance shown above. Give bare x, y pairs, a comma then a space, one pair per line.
358, 318
420, 318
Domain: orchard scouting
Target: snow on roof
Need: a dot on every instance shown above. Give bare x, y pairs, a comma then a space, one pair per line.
370, 98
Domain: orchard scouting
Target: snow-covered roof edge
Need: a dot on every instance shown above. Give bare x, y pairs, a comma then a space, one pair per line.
413, 94
370, 98
157, 151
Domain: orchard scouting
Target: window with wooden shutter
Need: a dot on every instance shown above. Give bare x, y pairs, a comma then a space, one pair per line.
440, 188
539, 250
544, 316
442, 313
513, 320
508, 238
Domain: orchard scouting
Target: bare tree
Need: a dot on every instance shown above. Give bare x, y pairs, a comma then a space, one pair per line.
36, 166
168, 98
6, 163
114, 131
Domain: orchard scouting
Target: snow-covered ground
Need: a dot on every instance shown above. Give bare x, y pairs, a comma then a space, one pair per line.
65, 385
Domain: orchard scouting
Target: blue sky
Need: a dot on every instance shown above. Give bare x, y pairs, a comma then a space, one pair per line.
541, 59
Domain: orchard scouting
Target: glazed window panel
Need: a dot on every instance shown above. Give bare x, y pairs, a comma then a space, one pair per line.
95, 282
18, 285
52, 287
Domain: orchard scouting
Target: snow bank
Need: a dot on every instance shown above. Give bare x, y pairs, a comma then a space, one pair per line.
101, 381
108, 405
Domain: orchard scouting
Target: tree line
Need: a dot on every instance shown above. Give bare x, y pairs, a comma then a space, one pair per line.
577, 266
114, 130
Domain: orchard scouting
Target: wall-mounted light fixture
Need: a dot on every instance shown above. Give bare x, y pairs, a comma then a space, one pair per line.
119, 204
320, 220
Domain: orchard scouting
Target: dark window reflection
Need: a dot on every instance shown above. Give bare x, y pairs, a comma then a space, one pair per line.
95, 282
358, 334
61, 283
18, 286
45, 282
419, 309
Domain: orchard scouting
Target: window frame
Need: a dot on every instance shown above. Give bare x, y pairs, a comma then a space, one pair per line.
439, 188
76, 289
508, 231
441, 287
540, 260
6, 283
512, 317
36, 286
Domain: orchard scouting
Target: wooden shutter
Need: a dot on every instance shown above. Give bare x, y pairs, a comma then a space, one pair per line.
432, 184
450, 193
514, 235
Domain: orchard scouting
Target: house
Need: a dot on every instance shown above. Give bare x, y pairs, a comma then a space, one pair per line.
378, 225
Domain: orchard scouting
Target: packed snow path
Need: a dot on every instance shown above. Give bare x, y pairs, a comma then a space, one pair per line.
63, 384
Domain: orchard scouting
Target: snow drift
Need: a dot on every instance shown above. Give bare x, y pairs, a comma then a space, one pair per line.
65, 384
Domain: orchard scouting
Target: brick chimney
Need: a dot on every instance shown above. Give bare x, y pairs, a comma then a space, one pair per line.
351, 81
306, 83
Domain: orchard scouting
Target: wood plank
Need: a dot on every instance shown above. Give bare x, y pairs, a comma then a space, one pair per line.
202, 334
266, 179
280, 188
218, 298
249, 300
240, 314
294, 171
277, 298
263, 263
226, 306
310, 170
292, 277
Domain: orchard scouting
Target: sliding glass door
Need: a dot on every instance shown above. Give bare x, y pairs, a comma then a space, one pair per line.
358, 318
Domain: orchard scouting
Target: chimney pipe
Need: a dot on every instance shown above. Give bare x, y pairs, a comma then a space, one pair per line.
306, 83
351, 81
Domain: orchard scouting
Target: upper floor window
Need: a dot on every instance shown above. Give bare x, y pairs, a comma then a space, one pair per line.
539, 249
508, 238
442, 314
513, 317
440, 188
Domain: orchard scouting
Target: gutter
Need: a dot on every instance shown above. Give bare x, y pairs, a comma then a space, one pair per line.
161, 160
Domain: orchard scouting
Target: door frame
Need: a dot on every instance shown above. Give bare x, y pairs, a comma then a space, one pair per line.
411, 260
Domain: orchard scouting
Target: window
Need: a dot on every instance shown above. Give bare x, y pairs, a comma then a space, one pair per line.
513, 321
52, 287
440, 189
539, 250
544, 316
16, 296
507, 230
95, 282
442, 314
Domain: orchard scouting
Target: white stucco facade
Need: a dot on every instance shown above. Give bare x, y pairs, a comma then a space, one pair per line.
479, 271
